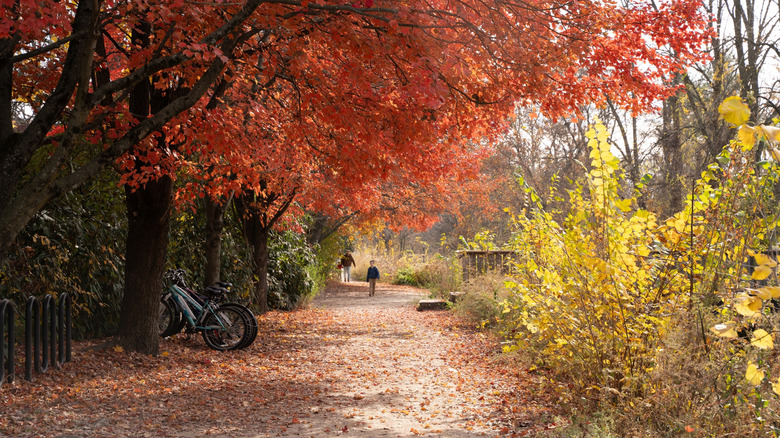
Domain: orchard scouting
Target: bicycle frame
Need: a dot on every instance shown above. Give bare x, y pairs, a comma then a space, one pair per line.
190, 308
224, 325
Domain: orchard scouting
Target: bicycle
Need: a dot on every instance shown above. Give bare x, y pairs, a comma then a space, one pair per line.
223, 325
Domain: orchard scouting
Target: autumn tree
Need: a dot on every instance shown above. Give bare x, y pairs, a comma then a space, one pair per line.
741, 50
354, 91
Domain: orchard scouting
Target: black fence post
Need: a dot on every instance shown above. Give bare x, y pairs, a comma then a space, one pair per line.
47, 334
64, 321
46, 304
7, 320
32, 337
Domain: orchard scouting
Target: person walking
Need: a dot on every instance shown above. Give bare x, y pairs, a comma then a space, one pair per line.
347, 262
371, 278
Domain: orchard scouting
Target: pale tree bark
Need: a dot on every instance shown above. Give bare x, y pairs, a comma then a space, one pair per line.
671, 145
629, 151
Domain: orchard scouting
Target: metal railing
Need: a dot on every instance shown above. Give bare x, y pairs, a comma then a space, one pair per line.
7, 340
47, 335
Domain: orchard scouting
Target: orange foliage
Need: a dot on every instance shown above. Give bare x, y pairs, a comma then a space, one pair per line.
357, 105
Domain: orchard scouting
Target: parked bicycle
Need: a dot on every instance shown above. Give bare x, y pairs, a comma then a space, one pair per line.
223, 325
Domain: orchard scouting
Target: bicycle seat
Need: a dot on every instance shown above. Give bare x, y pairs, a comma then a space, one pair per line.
215, 291
224, 284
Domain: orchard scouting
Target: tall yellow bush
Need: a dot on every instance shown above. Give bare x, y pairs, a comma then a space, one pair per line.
624, 304
584, 289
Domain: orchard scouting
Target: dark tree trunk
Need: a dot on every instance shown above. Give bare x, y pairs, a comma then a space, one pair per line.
17, 149
257, 220
256, 235
7, 46
215, 222
316, 228
259, 246
148, 213
21, 198
322, 227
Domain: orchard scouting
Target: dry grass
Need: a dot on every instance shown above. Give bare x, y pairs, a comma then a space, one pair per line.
480, 301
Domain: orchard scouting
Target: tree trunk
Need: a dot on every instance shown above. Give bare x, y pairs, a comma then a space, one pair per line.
215, 222
256, 235
18, 206
7, 46
21, 198
322, 227
316, 228
257, 219
148, 213
260, 265
671, 143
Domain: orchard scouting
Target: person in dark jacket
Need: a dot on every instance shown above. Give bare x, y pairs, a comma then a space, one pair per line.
371, 278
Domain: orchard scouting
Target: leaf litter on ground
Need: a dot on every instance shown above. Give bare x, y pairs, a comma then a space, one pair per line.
350, 368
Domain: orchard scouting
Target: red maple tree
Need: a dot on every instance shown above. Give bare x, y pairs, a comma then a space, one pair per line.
289, 100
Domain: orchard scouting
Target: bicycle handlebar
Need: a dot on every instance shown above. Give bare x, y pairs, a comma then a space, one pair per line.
176, 276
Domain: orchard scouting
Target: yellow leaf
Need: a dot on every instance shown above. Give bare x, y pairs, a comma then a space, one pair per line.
761, 272
679, 225
762, 293
624, 205
775, 153
746, 305
119, 349
753, 375
774, 291
763, 259
762, 339
725, 330
772, 133
734, 111
776, 387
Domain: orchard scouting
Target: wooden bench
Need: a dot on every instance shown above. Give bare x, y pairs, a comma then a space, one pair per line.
431, 305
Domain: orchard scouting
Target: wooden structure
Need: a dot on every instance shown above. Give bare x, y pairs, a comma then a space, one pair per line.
476, 262
431, 305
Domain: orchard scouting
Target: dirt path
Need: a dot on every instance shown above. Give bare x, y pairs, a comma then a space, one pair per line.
350, 365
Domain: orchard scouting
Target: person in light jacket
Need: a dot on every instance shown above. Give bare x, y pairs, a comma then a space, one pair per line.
371, 278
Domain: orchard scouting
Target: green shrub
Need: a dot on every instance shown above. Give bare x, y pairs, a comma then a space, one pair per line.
406, 276
289, 282
291, 261
76, 246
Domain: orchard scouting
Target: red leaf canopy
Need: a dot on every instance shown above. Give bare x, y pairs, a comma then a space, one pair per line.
358, 105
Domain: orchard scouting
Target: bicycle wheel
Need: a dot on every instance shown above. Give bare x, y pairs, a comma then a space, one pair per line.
171, 320
225, 328
251, 323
